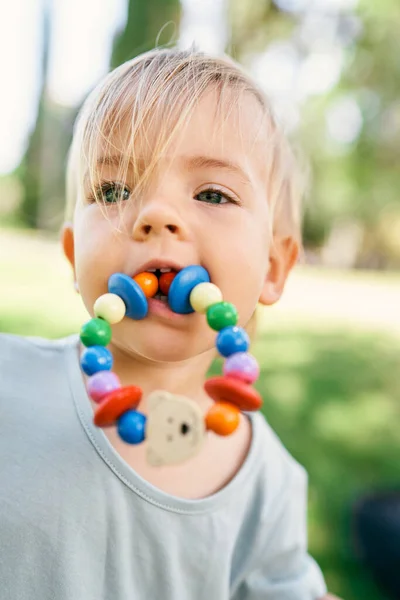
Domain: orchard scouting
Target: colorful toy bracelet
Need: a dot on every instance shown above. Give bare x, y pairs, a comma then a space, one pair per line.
175, 427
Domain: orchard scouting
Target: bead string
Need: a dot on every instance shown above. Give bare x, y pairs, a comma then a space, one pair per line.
175, 428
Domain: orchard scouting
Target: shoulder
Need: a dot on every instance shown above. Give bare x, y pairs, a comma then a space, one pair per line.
26, 360
272, 481
273, 524
278, 475
14, 346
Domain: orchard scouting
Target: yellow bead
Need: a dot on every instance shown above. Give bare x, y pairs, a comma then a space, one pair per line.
203, 296
110, 307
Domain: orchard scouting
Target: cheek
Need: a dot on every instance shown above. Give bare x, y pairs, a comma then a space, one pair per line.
240, 265
97, 255
242, 286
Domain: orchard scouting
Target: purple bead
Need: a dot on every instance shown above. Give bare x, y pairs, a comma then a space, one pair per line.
102, 383
243, 366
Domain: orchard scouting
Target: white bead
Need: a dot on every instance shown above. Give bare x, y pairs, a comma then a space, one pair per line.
203, 296
110, 307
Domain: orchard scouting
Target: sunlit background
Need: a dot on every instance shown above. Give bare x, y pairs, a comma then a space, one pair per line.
329, 350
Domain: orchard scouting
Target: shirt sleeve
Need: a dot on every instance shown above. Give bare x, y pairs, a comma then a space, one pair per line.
283, 570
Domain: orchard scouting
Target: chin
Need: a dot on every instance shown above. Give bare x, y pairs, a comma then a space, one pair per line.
158, 343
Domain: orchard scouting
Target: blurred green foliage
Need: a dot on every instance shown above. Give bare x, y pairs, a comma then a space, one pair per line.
355, 175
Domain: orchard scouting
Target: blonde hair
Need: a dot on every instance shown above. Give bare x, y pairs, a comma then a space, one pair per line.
162, 87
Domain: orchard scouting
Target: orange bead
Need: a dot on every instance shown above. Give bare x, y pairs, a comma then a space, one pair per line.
148, 282
165, 281
223, 418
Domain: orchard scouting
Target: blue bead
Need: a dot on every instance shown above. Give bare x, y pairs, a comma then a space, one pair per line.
182, 285
96, 358
231, 340
131, 427
131, 293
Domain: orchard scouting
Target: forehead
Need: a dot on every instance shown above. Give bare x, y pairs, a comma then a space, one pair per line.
230, 126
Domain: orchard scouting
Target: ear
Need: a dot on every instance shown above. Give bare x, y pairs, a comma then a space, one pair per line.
283, 257
67, 242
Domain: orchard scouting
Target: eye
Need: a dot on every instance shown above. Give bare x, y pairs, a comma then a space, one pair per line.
111, 193
214, 196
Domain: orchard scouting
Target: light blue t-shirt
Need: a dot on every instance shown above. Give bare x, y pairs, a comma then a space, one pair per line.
77, 523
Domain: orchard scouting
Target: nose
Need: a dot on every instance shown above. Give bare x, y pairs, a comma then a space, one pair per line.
158, 218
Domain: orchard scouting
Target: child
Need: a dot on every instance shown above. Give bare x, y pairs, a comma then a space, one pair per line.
176, 161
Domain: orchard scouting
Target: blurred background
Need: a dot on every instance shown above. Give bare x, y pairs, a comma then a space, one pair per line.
330, 350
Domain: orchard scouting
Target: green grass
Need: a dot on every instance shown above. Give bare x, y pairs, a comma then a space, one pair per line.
331, 395
333, 400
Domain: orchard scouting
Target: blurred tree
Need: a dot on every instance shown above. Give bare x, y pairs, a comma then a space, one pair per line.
149, 22
356, 175
350, 129
254, 25
30, 168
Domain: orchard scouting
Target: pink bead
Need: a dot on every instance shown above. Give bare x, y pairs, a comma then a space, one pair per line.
102, 383
243, 366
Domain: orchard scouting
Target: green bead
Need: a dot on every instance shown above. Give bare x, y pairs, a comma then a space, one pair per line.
96, 332
222, 314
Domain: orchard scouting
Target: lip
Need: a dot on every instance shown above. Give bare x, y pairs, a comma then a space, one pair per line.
159, 263
161, 309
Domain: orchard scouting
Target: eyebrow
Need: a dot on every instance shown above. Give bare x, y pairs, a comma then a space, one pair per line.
190, 162
204, 162
113, 160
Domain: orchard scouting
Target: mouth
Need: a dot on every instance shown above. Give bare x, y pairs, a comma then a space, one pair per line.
161, 268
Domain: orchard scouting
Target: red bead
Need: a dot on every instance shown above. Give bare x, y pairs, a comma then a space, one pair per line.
226, 389
115, 404
165, 281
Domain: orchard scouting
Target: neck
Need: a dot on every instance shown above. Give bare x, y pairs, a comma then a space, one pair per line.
184, 377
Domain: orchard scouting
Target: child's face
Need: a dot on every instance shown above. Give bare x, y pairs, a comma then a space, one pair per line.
205, 205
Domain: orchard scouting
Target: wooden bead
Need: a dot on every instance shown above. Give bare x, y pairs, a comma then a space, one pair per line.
231, 340
132, 427
227, 389
183, 285
102, 383
243, 366
223, 418
148, 282
221, 315
110, 307
131, 293
205, 295
165, 281
95, 332
96, 358
115, 404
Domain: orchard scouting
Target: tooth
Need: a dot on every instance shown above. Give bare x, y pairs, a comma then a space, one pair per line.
151, 270
164, 298
165, 270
